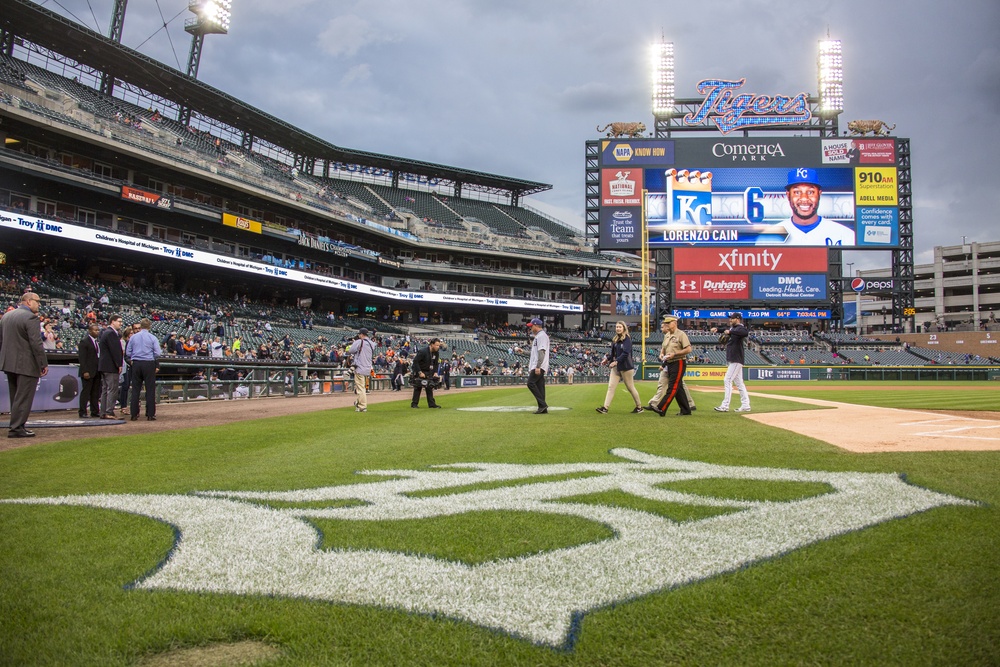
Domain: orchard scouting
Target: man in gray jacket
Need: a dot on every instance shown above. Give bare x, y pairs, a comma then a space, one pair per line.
362, 352
22, 358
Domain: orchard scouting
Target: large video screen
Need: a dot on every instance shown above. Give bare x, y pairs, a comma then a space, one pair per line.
749, 191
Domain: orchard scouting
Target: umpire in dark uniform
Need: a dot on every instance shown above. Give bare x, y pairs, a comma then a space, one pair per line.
90, 378
425, 372
22, 358
143, 349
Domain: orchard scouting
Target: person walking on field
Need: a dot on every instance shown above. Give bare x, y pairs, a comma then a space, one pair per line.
622, 368
733, 338
673, 357
538, 364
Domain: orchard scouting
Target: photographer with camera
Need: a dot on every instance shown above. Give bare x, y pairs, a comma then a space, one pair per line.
425, 374
362, 351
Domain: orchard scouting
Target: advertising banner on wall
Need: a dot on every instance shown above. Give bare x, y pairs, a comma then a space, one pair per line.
789, 287
245, 224
185, 256
753, 260
147, 198
712, 287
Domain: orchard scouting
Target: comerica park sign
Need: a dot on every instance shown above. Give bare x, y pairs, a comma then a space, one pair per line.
233, 542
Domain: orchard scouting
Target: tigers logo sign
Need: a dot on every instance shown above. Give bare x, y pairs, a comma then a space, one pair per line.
229, 542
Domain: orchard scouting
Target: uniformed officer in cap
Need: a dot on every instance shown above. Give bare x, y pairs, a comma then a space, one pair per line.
673, 363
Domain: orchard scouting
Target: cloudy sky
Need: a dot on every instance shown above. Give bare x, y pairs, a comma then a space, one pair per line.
516, 88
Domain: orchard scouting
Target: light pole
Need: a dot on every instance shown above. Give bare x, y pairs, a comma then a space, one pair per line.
857, 315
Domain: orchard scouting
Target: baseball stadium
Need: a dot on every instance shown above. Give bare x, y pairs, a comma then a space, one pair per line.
279, 506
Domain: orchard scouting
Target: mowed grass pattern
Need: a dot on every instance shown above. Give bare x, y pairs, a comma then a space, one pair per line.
919, 590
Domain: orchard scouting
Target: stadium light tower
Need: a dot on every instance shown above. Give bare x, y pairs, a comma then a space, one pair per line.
211, 17
663, 80
831, 77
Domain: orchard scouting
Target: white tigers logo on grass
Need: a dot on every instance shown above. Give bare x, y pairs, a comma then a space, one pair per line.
227, 545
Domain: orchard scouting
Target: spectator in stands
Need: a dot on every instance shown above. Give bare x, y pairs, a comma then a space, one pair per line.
167, 344
48, 338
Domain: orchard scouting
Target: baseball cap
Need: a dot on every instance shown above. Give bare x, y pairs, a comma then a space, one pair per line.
802, 175
669, 318
363, 331
536, 322
736, 316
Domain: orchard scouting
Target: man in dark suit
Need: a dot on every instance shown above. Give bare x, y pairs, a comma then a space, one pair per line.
90, 378
109, 363
22, 358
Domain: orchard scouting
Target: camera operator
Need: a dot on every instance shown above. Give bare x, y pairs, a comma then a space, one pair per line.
425, 373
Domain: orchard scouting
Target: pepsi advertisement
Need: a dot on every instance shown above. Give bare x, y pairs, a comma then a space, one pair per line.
779, 192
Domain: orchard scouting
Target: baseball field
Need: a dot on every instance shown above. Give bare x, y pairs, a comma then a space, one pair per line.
834, 524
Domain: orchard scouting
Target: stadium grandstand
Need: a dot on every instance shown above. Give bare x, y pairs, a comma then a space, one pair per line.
232, 200
234, 225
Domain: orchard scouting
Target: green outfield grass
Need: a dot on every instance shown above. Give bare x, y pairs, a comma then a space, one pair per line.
918, 590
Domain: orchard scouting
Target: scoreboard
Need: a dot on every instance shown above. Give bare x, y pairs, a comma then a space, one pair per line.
749, 191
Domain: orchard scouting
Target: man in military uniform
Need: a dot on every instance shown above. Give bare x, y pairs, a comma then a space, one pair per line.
673, 360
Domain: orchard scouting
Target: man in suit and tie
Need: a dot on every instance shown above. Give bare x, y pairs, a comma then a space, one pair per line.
90, 378
22, 358
109, 363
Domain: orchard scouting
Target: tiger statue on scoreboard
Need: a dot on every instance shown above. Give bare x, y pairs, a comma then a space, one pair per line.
631, 130
876, 127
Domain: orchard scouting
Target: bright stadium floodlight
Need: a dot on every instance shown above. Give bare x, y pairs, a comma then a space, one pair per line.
831, 77
211, 17
663, 79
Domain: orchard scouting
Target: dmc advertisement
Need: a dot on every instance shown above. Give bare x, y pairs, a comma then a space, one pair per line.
773, 192
789, 287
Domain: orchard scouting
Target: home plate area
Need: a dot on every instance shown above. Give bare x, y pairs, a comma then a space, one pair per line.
863, 428
66, 423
